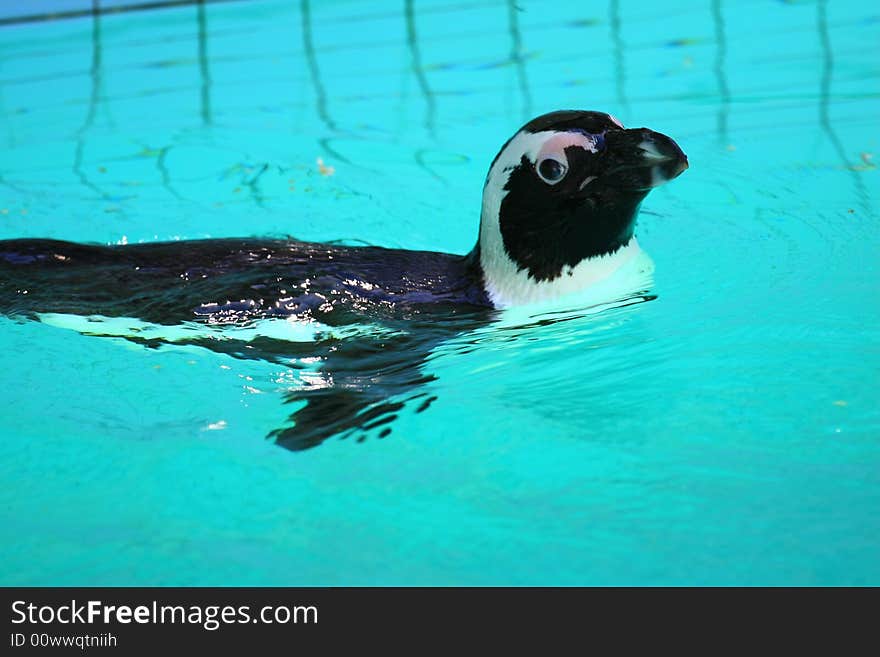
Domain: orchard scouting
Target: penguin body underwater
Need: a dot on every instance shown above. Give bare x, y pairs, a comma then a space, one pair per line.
558, 215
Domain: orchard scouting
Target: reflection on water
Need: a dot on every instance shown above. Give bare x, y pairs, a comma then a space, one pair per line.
312, 61
825, 100
720, 70
619, 65
413, 40
95, 94
353, 72
517, 56
203, 64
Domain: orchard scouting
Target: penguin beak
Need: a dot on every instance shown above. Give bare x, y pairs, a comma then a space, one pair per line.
641, 159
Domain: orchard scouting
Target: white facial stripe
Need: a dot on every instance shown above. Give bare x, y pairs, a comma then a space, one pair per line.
557, 145
524, 143
616, 120
496, 264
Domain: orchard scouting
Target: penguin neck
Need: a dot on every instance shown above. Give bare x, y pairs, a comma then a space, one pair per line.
509, 285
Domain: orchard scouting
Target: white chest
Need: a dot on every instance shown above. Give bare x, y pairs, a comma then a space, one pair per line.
598, 279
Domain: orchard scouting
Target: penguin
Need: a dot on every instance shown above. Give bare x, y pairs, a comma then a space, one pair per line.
558, 216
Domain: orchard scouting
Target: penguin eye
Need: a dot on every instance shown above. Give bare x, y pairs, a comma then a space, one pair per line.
551, 170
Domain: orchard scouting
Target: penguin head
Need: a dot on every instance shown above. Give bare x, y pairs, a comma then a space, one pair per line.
560, 203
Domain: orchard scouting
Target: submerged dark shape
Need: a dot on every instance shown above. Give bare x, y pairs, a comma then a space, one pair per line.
560, 203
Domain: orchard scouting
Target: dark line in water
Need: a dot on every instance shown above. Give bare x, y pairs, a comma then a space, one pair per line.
254, 186
94, 69
516, 56
420, 160
94, 98
720, 69
324, 143
418, 70
9, 136
204, 71
82, 13
10, 185
824, 100
166, 176
619, 68
312, 62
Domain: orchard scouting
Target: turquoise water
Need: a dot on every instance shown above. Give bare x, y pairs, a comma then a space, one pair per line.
727, 432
